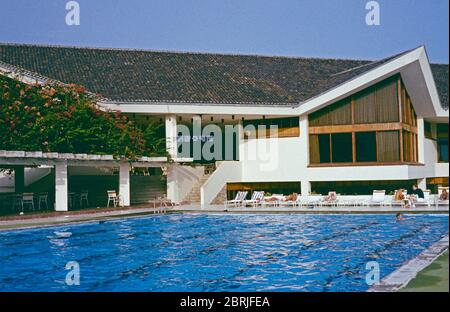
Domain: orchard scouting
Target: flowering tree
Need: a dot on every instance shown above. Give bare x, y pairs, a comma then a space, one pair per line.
61, 118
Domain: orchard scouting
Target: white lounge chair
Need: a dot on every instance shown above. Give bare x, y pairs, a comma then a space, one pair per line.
426, 200
401, 202
268, 203
310, 200
291, 203
329, 202
257, 198
378, 198
112, 198
237, 201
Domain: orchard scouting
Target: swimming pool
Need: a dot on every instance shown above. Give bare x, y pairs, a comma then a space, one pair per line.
215, 252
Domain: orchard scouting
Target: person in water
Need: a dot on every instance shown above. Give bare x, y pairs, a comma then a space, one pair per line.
399, 217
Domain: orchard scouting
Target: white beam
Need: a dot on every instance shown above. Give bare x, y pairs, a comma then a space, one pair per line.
421, 140
124, 183
61, 186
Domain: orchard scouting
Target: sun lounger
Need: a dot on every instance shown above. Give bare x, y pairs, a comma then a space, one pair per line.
310, 200
272, 203
291, 203
257, 198
330, 200
237, 201
401, 202
426, 201
378, 198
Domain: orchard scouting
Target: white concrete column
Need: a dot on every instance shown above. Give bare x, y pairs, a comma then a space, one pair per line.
305, 187
124, 183
304, 141
197, 133
172, 185
422, 183
421, 140
61, 186
171, 135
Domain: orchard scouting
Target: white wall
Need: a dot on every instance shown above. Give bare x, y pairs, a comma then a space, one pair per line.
226, 172
287, 159
180, 180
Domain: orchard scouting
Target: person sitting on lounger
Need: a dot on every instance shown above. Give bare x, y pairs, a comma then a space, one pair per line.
291, 197
332, 196
444, 195
398, 196
417, 194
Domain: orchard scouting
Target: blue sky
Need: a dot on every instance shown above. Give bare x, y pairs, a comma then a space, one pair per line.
320, 28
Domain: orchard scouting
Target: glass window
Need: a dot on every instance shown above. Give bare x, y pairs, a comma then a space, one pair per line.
443, 150
324, 148
342, 147
366, 146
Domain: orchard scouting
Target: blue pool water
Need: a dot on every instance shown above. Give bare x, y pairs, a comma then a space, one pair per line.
200, 252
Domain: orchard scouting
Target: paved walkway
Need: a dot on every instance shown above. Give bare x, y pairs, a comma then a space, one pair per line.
52, 218
403, 275
432, 279
368, 209
59, 218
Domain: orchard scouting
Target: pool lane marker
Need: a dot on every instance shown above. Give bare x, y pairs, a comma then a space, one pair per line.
403, 275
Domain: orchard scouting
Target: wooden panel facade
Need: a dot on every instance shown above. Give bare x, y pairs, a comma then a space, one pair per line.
261, 128
384, 109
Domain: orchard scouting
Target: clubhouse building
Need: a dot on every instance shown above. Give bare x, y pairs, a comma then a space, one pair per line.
247, 122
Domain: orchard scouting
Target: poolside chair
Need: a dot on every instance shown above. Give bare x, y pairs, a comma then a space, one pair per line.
378, 198
400, 202
112, 198
311, 200
43, 199
425, 201
291, 203
330, 200
439, 201
267, 203
237, 201
84, 198
27, 199
257, 198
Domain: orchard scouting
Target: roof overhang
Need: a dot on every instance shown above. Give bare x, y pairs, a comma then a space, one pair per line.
413, 66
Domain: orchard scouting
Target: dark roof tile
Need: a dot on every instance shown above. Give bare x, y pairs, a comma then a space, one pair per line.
136, 75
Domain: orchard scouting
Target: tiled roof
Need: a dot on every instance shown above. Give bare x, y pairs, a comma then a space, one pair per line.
440, 73
136, 75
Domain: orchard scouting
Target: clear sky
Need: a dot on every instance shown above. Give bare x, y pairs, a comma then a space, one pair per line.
320, 28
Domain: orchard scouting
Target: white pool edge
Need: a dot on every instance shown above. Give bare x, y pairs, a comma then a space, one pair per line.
408, 271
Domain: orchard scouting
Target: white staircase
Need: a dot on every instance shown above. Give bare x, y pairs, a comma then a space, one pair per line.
194, 195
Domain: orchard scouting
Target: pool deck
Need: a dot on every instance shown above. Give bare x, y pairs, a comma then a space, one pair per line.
400, 278
60, 218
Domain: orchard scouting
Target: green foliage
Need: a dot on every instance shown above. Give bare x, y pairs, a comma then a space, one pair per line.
65, 119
